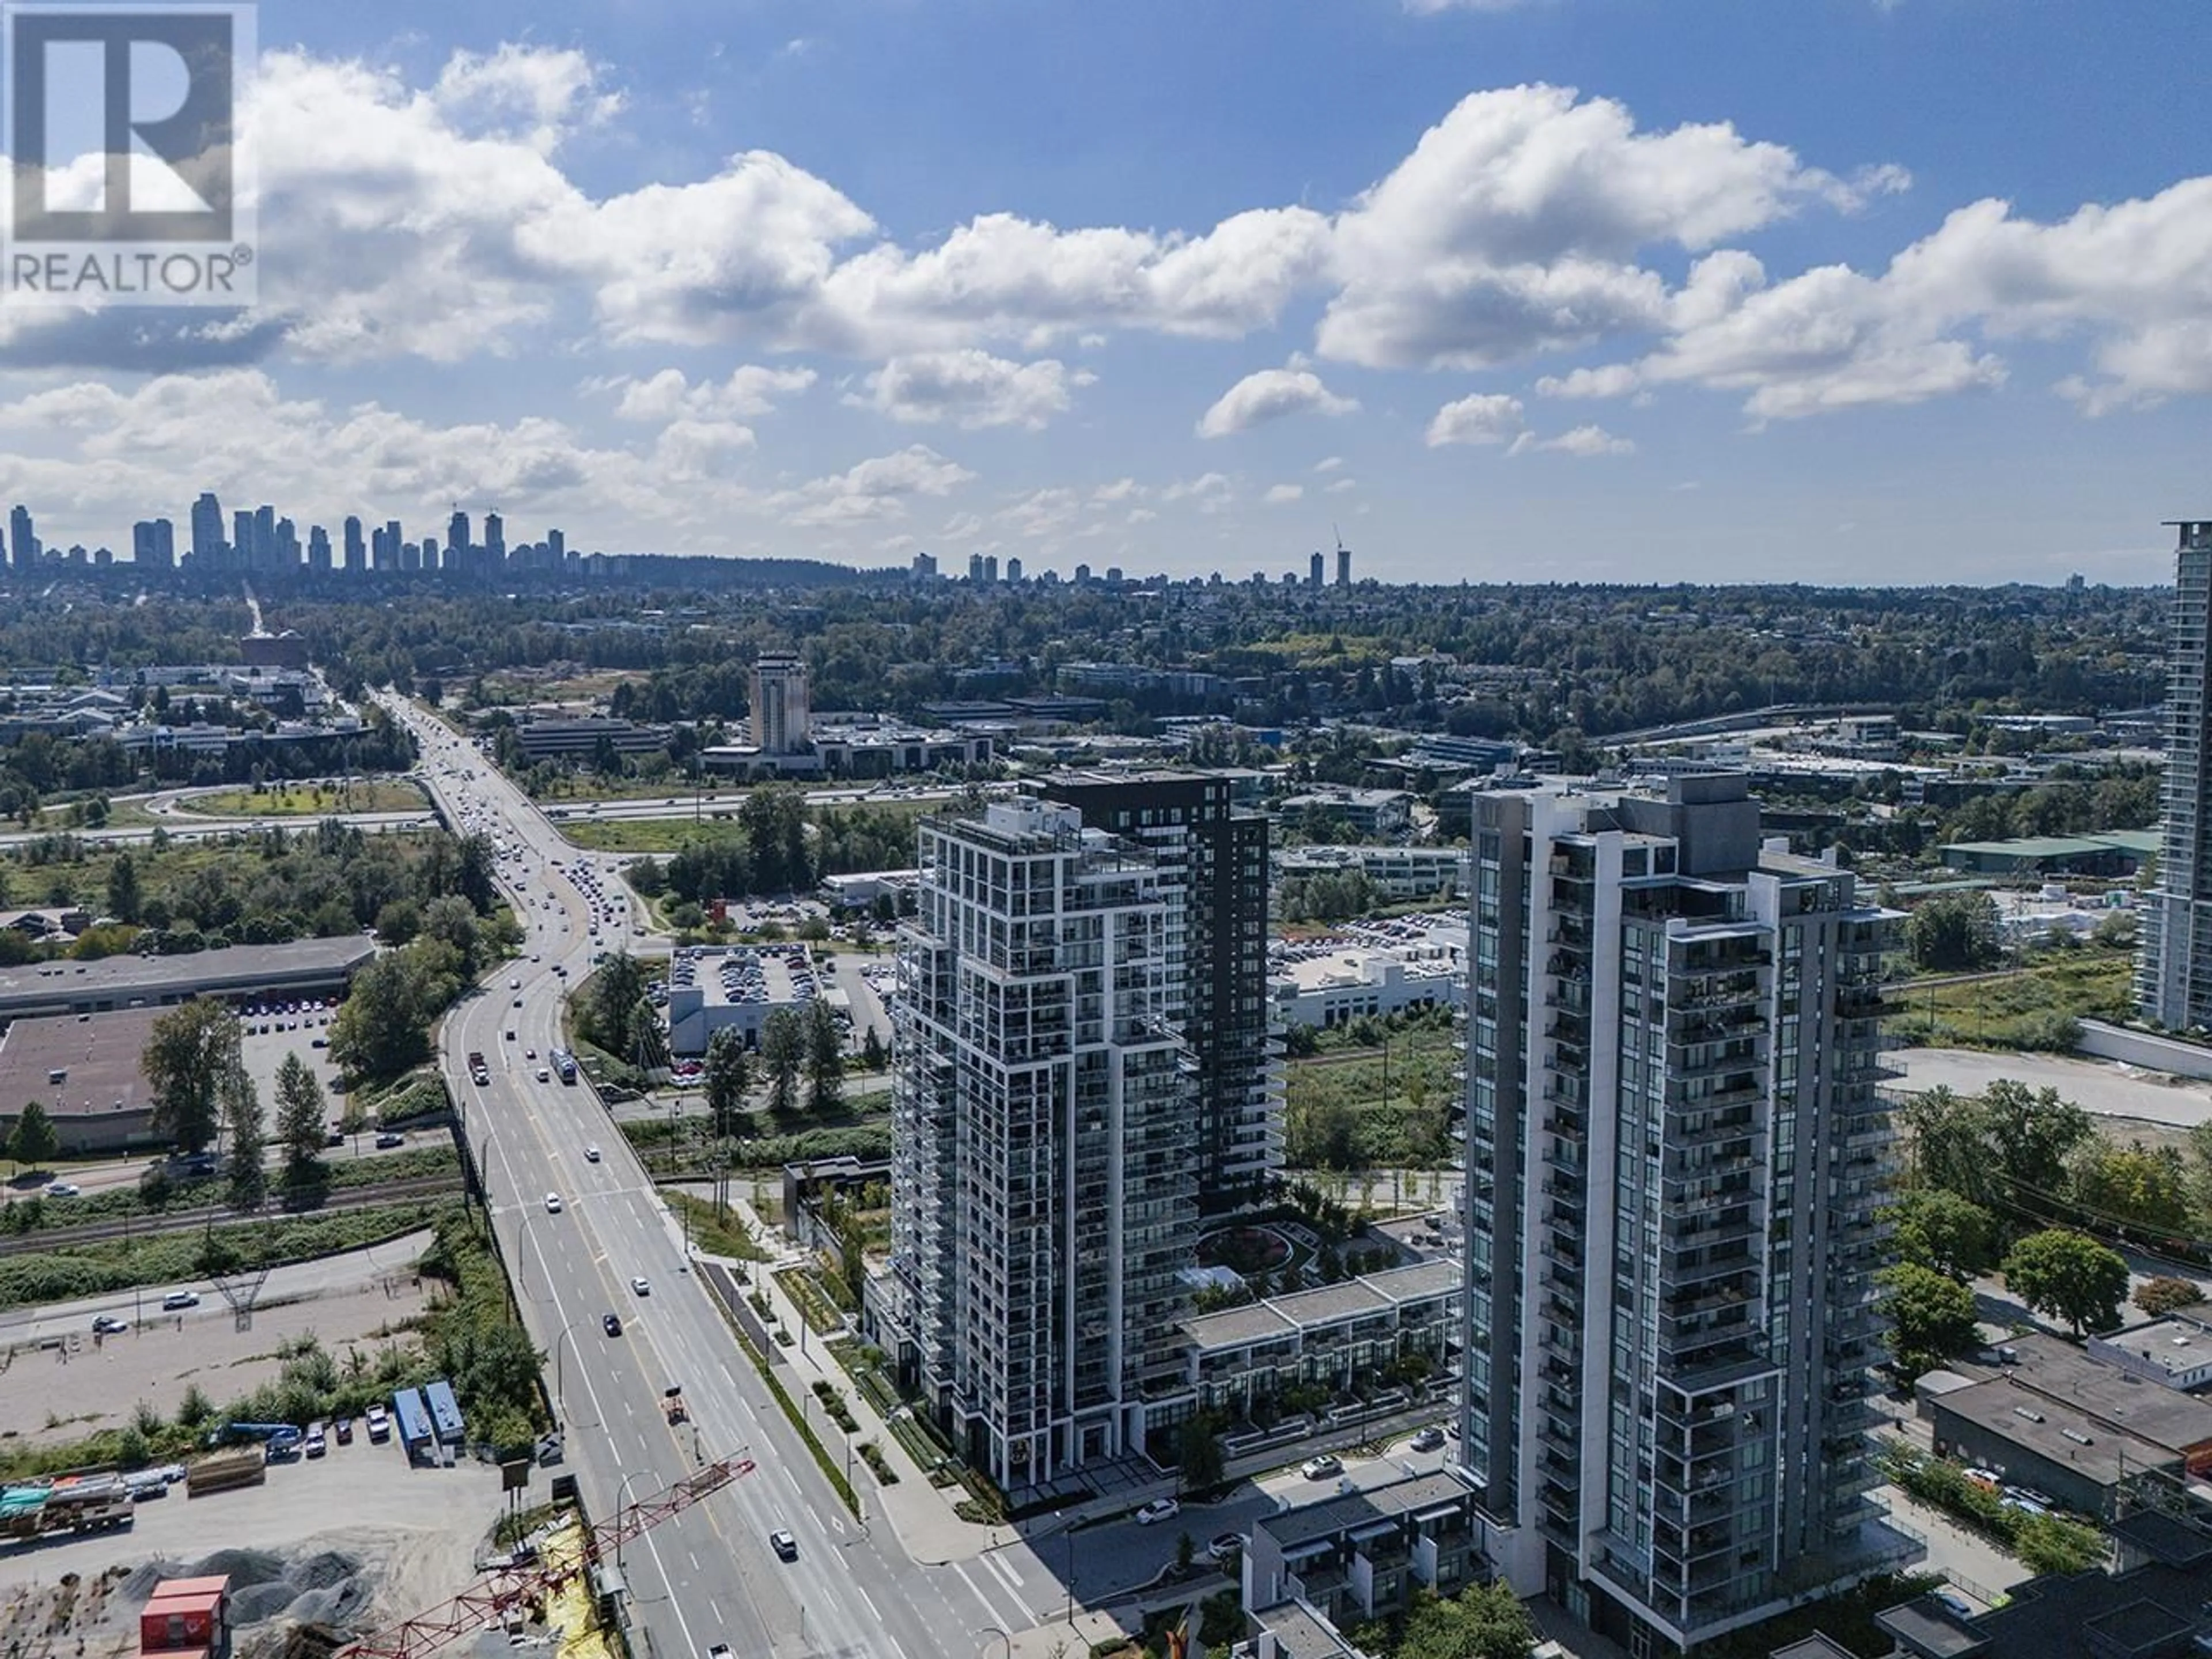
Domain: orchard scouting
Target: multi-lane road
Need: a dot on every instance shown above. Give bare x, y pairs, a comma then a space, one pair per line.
707, 1575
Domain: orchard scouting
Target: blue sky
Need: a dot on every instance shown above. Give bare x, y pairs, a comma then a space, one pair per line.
1833, 291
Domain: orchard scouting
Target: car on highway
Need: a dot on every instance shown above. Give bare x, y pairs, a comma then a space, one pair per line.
641, 1285
611, 1323
109, 1325
1321, 1467
1159, 1510
62, 1190
177, 1300
590, 1154
514, 984
552, 1203
518, 1003
388, 1140
1225, 1547
544, 1074
1429, 1438
785, 1545
530, 1054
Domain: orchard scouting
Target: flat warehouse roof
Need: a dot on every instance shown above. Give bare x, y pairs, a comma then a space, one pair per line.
95, 1055
114, 981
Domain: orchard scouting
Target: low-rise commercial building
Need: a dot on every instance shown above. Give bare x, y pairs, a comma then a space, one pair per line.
734, 988
2175, 1351
238, 973
1365, 812
1399, 874
83, 1069
567, 739
1328, 989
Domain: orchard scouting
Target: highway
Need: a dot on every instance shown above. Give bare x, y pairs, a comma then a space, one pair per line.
708, 1575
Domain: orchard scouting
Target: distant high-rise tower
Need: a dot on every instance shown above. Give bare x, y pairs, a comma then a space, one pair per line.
990, 568
1678, 1153
1343, 565
556, 547
154, 544
356, 550
1013, 570
925, 567
459, 550
975, 566
782, 720
23, 538
208, 548
267, 547
2173, 968
288, 544
430, 554
242, 541
1316, 571
319, 550
494, 545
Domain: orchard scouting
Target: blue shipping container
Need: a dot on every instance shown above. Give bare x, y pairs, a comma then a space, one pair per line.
413, 1417
445, 1411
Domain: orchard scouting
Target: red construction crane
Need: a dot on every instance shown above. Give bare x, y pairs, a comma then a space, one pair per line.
512, 1589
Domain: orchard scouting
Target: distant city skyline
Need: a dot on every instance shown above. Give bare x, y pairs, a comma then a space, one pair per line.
1586, 290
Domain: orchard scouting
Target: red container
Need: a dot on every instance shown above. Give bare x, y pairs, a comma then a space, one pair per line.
186, 1613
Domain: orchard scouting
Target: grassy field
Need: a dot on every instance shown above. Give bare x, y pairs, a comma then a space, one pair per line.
2030, 1007
84, 880
129, 813
301, 801
643, 835
1350, 1110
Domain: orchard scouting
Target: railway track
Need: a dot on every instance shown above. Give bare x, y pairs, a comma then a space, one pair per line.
187, 1220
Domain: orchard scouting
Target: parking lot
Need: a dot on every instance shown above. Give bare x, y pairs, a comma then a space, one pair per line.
59, 1386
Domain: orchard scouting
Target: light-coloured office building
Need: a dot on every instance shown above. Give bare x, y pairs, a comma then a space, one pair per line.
782, 722
1044, 1174
1677, 1158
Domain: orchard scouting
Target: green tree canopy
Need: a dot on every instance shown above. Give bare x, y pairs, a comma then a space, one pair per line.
384, 1026
825, 1060
728, 1074
1954, 932
1484, 1621
1939, 1230
1931, 1317
242, 1116
33, 1141
2069, 1276
783, 1054
192, 1049
301, 1113
2145, 1187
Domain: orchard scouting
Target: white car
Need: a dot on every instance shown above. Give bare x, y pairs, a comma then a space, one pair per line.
1320, 1468
552, 1203
544, 1075
641, 1284
591, 1155
1159, 1510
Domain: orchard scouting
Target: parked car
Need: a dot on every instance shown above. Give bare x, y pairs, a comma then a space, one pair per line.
1159, 1510
1429, 1438
109, 1325
1321, 1467
1951, 1601
1225, 1547
344, 1431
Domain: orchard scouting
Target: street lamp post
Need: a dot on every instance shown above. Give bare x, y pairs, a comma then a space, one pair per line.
560, 1399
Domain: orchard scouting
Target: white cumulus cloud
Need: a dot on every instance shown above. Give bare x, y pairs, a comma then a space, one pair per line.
1583, 441
970, 388
1484, 418
1270, 395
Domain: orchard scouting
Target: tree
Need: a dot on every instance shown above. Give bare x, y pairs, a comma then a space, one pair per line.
872, 1054
192, 1049
1484, 1621
2160, 1296
1185, 1552
2069, 1276
1954, 932
125, 902
825, 1060
33, 1139
2133, 1183
384, 1026
2034, 1133
613, 1009
241, 1114
783, 1053
1941, 1230
300, 1113
1931, 1317
1202, 1464
728, 1075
